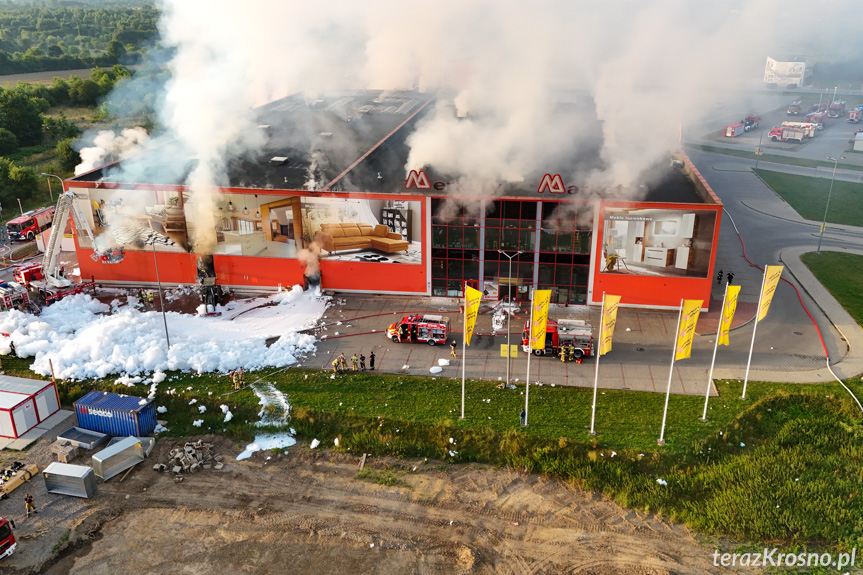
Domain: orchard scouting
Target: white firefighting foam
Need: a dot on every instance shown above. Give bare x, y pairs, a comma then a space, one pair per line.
85, 338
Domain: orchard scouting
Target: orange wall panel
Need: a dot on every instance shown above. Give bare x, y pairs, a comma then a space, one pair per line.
139, 266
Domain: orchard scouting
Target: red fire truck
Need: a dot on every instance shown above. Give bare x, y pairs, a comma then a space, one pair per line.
836, 109
33, 222
855, 115
7, 539
13, 296
32, 276
431, 329
563, 333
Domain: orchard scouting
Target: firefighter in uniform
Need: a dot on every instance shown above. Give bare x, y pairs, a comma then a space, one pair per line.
562, 351
336, 365
570, 353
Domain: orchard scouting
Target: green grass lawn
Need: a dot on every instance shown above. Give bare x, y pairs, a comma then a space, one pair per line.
842, 275
808, 197
786, 465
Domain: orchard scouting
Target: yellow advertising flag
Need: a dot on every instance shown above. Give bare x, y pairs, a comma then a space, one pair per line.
541, 298
471, 307
688, 319
609, 319
728, 314
771, 280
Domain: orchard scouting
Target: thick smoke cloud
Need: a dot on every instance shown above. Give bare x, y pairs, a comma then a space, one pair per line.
509, 70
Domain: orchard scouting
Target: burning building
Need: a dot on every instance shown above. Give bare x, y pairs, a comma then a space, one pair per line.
330, 193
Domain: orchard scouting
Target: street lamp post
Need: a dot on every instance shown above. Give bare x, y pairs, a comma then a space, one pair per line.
827, 207
161, 297
509, 311
50, 192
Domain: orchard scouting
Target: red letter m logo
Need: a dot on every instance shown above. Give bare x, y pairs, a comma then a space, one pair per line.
417, 180
553, 184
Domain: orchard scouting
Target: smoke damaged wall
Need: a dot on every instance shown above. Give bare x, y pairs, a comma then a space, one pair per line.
507, 67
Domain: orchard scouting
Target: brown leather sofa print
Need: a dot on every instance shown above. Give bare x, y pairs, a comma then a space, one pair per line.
339, 237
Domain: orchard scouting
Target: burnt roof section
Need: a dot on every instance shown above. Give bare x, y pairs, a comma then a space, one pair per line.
356, 141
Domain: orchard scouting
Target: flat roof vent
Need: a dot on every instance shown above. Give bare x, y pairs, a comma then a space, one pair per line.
278, 160
326, 134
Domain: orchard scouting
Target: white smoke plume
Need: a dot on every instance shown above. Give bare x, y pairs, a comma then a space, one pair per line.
108, 146
508, 73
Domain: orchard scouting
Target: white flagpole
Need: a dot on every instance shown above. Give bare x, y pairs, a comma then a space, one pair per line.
529, 353
661, 440
715, 347
755, 327
596, 375
463, 348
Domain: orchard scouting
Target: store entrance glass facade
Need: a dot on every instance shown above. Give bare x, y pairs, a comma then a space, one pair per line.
554, 238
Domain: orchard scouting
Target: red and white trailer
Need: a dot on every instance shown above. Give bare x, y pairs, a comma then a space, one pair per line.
24, 404
734, 130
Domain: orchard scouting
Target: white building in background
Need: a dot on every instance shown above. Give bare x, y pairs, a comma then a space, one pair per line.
789, 72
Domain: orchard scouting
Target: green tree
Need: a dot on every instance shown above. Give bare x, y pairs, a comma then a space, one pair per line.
83, 92
15, 181
21, 115
116, 51
67, 155
59, 91
8, 142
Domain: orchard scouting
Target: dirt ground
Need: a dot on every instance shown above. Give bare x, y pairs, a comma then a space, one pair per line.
307, 511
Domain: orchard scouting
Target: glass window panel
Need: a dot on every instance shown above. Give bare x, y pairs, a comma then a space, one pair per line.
549, 212
563, 274
492, 239
438, 268
528, 211
438, 237
509, 240
454, 237
546, 273
547, 240
526, 242
564, 241
471, 238
471, 269
454, 288
511, 210
454, 269
490, 269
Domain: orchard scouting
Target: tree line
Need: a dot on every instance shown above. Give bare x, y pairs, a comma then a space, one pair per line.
25, 128
37, 38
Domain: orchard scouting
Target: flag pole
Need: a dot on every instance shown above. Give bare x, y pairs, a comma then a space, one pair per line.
529, 353
596, 374
755, 327
661, 440
463, 351
715, 347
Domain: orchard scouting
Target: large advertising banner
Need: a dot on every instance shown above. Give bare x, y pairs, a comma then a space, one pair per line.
657, 242
133, 219
362, 230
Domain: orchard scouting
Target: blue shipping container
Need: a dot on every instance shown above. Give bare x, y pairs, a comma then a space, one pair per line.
121, 415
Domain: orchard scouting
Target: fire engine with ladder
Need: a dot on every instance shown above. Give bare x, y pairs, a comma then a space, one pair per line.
427, 328
46, 280
575, 333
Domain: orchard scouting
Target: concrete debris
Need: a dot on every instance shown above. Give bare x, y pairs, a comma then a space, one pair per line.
192, 457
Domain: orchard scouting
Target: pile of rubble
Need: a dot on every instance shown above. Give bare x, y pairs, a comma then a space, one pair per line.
192, 457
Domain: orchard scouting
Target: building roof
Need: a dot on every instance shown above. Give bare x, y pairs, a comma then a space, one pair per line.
356, 141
